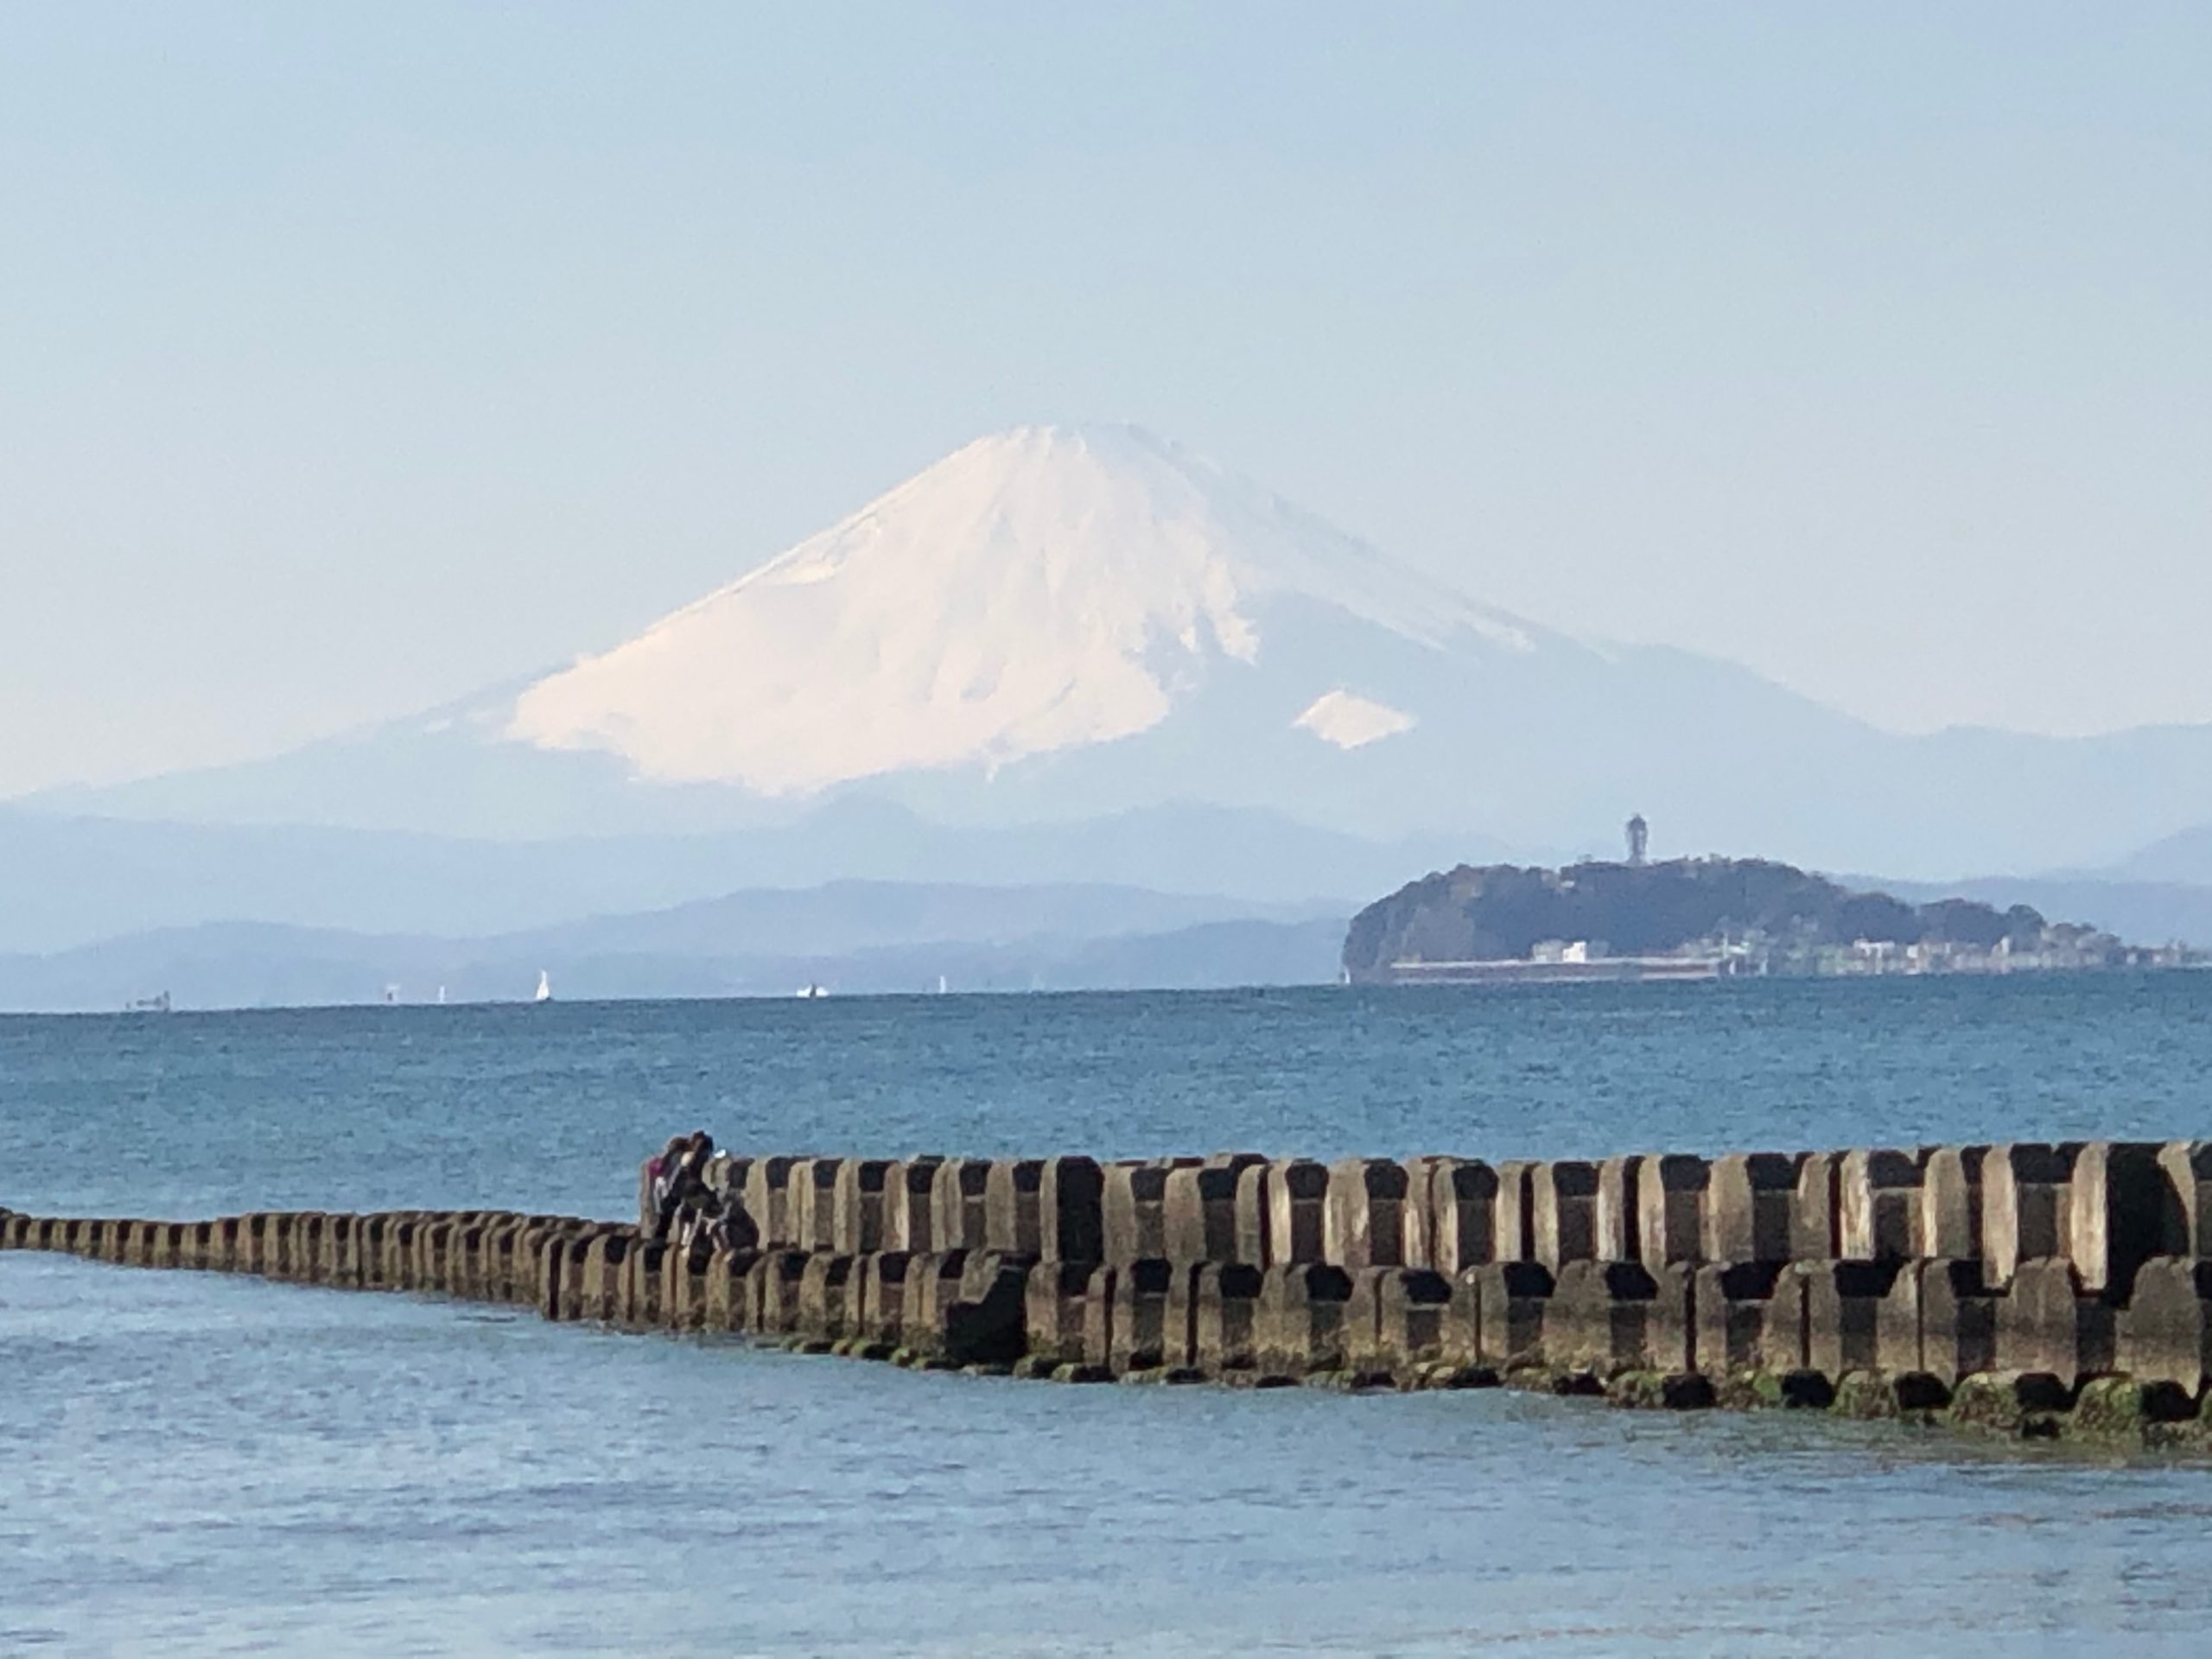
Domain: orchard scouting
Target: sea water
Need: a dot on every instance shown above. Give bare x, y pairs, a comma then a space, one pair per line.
205, 1464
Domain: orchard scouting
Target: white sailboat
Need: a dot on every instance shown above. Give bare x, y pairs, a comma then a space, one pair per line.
544, 992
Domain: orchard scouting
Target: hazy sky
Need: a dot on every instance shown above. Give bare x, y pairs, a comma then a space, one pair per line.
352, 358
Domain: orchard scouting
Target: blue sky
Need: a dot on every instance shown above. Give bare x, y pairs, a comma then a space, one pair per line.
354, 357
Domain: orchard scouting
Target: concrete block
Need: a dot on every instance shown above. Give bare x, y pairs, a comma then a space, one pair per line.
2027, 1204
1224, 1317
506, 1260
1950, 1204
957, 1210
465, 1268
814, 1203
2188, 1208
1134, 1209
726, 1305
369, 1249
1816, 1213
15, 1231
688, 1289
1297, 1195
1844, 1305
257, 1242
2045, 1324
169, 1245
644, 1284
1515, 1238
772, 1291
1254, 1230
767, 1199
882, 1310
1099, 1314
1881, 1205
1751, 1206
1363, 1221
434, 1255
1136, 1338
398, 1248
824, 1287
1011, 1214
1563, 1195
1670, 1329
1459, 1216
335, 1263
1198, 1215
1601, 1317
1670, 1208
604, 1269
1418, 1225
1734, 1301
1958, 1319
985, 1325
2166, 1331
547, 1271
1056, 1302
860, 1200
1511, 1300
1070, 1211
1395, 1318
2122, 1213
1619, 1234
1301, 1317
908, 1191
932, 1287
571, 1250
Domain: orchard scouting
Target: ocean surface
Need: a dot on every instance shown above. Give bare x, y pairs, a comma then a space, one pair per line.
196, 1464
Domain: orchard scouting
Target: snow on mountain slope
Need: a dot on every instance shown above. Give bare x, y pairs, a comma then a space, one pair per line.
1056, 627
1042, 590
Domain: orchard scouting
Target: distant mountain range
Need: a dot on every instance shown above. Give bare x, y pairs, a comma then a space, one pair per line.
1055, 627
851, 937
1062, 661
67, 882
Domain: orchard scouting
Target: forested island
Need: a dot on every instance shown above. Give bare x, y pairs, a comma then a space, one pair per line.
1698, 918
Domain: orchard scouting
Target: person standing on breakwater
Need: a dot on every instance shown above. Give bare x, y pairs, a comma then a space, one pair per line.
653, 1183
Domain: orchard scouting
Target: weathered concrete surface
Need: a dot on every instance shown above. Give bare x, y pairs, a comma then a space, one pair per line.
2079, 1273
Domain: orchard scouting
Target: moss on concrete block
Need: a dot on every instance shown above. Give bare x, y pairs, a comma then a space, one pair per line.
2119, 1410
2018, 1405
1883, 1396
1643, 1390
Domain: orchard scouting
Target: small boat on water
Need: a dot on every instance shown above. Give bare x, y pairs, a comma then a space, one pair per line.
810, 992
544, 992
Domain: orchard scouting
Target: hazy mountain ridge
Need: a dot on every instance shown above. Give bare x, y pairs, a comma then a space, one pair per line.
255, 964
1057, 625
65, 882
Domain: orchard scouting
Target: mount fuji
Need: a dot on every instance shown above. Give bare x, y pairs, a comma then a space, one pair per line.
1058, 626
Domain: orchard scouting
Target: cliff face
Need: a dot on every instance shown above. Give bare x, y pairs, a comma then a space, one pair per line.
1504, 911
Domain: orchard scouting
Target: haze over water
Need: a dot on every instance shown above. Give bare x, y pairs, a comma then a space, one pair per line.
245, 1467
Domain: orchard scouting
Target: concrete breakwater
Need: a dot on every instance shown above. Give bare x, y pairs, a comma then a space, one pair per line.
2031, 1289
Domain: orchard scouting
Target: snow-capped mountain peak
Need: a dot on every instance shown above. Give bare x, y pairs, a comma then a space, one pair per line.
1047, 588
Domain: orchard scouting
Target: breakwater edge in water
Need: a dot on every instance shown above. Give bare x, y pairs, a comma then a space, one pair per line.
2031, 1290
